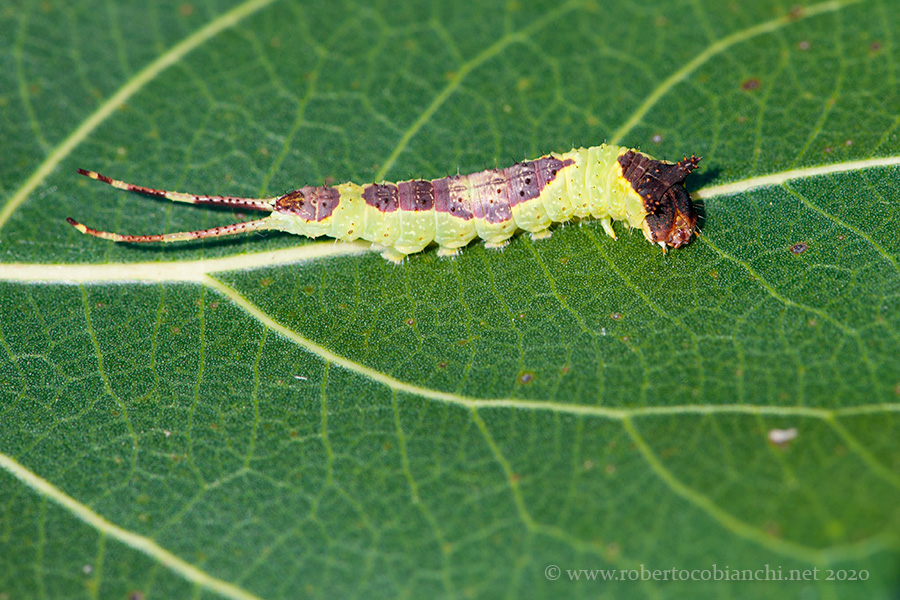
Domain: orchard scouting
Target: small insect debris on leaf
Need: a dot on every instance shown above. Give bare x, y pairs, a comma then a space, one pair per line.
781, 437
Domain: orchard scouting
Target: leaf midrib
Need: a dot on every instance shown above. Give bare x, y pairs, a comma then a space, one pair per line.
232, 17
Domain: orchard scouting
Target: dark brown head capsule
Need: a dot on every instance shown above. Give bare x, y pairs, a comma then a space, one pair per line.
671, 216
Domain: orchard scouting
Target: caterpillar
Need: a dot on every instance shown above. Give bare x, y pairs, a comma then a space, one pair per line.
604, 182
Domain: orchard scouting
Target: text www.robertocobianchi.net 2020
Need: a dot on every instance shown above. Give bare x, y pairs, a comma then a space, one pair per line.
712, 573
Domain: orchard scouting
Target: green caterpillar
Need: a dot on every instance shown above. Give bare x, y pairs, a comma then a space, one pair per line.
604, 182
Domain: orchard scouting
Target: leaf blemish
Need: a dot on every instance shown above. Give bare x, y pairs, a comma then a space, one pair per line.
751, 84
780, 437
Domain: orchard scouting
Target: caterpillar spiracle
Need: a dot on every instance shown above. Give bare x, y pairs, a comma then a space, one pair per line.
604, 182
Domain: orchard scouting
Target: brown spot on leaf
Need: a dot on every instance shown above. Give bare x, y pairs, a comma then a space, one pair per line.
751, 84
613, 552
799, 248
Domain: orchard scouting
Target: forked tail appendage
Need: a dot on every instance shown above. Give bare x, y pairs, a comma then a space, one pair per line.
261, 204
173, 237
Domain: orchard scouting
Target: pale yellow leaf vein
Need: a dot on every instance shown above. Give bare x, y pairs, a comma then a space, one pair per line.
197, 270
439, 537
717, 48
615, 414
742, 529
129, 89
133, 540
773, 179
625, 415
460, 75
188, 271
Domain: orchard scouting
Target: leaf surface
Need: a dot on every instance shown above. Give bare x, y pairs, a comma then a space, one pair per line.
273, 417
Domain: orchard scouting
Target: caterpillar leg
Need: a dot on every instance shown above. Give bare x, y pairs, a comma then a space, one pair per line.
540, 235
393, 255
497, 245
447, 251
606, 222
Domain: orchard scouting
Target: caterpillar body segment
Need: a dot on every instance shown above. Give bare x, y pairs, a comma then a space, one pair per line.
603, 182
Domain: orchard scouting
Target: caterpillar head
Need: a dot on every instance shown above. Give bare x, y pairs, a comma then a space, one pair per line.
671, 216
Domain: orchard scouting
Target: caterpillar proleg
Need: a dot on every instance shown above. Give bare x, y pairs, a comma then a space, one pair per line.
602, 182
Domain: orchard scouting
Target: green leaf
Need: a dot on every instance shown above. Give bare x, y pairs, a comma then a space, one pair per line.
274, 417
